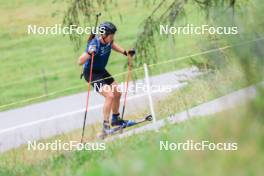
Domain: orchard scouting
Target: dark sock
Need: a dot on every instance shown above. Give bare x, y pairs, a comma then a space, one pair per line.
115, 116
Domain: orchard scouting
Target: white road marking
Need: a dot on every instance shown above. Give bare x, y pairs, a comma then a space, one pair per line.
60, 116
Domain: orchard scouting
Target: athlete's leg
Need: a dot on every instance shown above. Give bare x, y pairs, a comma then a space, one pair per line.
106, 91
116, 120
116, 99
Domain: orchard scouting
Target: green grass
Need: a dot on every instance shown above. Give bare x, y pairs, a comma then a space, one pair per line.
140, 154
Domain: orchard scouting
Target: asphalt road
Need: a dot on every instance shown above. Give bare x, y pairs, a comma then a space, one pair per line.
46, 119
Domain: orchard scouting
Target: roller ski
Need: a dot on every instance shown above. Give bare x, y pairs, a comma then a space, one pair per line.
120, 125
117, 121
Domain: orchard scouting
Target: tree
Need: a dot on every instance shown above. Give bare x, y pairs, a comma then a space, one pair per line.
84, 10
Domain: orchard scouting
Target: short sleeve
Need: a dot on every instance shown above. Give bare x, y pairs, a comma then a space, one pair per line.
92, 43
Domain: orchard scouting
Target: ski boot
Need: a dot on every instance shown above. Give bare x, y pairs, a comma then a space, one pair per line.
117, 121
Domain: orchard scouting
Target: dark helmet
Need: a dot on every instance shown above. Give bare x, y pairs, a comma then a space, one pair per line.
108, 27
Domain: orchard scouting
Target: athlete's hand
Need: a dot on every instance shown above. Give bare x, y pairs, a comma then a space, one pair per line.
131, 52
130, 55
91, 49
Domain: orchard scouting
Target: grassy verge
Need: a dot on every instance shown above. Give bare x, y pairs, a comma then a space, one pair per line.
135, 155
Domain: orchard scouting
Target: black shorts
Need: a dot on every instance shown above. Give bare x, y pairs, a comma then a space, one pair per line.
99, 78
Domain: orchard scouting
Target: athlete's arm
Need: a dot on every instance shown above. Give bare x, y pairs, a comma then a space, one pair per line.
83, 58
118, 48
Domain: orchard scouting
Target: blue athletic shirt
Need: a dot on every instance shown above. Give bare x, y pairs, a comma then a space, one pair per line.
101, 55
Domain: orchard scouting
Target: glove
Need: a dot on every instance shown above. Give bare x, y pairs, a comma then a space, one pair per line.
91, 49
131, 52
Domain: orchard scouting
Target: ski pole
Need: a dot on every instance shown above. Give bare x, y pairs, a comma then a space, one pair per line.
127, 80
92, 35
88, 96
90, 79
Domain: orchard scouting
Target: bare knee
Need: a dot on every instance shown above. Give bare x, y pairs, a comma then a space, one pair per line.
110, 96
